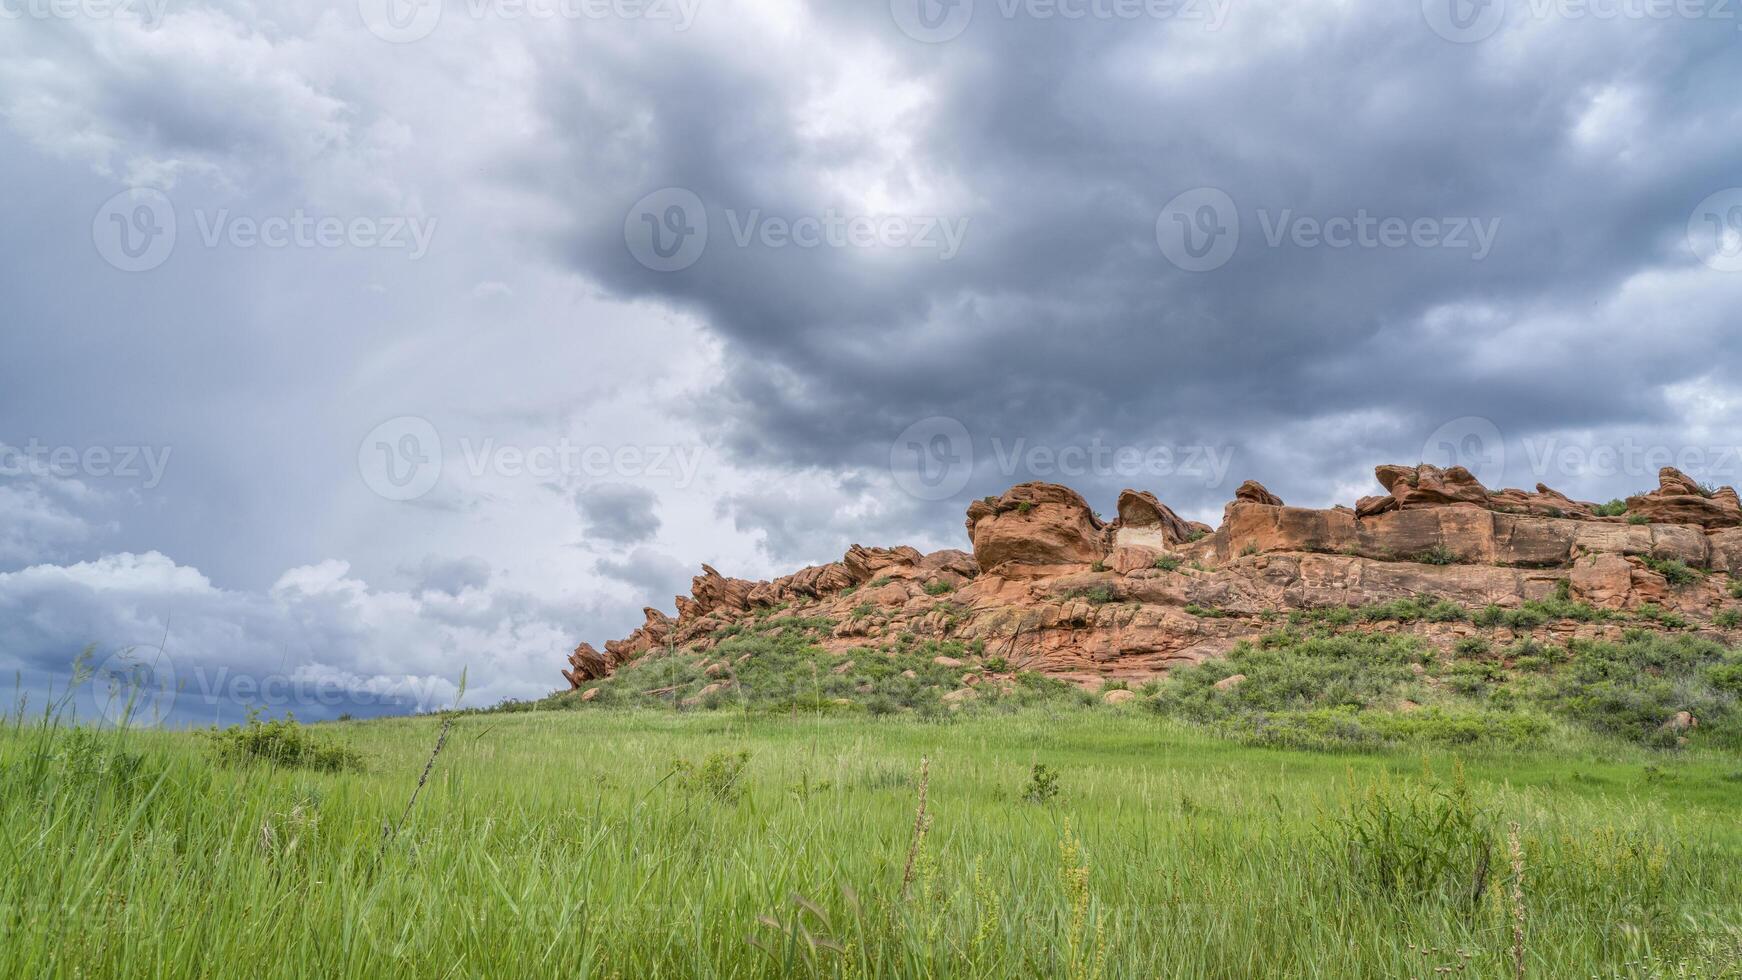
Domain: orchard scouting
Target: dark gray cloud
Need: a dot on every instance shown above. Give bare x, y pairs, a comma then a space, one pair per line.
1582, 146
618, 513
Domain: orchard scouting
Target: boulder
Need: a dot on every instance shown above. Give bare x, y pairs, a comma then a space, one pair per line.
1230, 682
1427, 485
1035, 524
1254, 492
1545, 502
586, 664
1139, 510
1120, 696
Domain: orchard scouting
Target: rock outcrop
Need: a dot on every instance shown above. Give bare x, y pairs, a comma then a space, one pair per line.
1678, 499
1051, 586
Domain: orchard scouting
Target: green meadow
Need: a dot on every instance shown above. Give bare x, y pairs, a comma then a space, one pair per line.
1053, 839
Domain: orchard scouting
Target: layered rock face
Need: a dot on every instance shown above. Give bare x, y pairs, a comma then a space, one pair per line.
1051, 586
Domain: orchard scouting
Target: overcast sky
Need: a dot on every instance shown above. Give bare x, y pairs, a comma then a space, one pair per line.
353, 344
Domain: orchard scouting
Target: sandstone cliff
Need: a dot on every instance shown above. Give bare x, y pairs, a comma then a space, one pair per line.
1051, 587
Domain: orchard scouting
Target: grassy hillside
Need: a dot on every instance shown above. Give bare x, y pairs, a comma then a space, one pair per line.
1057, 839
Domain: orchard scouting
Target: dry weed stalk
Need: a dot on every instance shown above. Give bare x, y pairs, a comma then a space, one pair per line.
920, 823
1517, 897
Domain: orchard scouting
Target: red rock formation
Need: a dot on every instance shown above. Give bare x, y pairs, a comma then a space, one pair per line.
1035, 524
1680, 500
1052, 587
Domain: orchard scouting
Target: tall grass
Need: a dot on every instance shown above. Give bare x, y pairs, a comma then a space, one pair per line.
574, 844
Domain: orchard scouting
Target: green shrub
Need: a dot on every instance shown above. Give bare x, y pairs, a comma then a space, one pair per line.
1629, 689
717, 778
1736, 588
282, 742
1043, 785
1614, 508
1167, 563
1728, 619
1655, 613
1204, 612
1098, 595
1673, 569
939, 587
1638, 519
1024, 507
1416, 842
1439, 554
1396, 610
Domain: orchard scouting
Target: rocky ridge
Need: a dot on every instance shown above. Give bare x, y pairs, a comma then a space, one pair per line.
1052, 587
